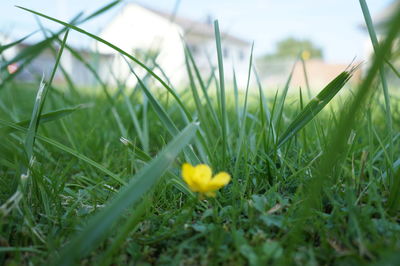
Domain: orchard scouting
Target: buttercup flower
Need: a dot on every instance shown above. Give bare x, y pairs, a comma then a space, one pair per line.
199, 179
306, 55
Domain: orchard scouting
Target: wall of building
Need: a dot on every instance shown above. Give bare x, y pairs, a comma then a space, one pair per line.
275, 73
234, 55
136, 29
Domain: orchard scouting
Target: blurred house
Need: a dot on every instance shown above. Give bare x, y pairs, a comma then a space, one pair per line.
275, 73
4, 40
30, 69
140, 30
144, 33
320, 74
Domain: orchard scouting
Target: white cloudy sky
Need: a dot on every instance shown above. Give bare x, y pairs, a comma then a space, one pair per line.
334, 25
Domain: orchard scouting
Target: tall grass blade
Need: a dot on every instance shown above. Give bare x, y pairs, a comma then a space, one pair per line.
394, 193
393, 68
39, 103
315, 106
67, 150
99, 226
326, 171
281, 102
136, 123
24, 58
222, 92
163, 115
236, 95
119, 50
12, 44
101, 10
47, 117
203, 87
265, 113
303, 63
242, 130
195, 93
375, 44
30, 53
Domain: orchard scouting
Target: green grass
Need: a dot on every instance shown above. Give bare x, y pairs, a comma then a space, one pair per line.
94, 177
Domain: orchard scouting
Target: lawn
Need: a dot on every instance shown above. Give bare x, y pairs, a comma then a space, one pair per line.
96, 178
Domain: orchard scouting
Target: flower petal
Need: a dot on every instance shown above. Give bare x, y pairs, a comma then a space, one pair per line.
201, 177
219, 180
188, 174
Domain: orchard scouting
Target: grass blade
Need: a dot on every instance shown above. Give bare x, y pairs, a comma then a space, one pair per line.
39, 103
242, 130
67, 150
264, 113
201, 111
375, 44
394, 199
203, 88
281, 103
326, 171
163, 115
141, 183
9, 45
47, 117
222, 92
315, 106
136, 123
119, 50
236, 96
101, 10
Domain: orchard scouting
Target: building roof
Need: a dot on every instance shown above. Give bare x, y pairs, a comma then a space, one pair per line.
193, 27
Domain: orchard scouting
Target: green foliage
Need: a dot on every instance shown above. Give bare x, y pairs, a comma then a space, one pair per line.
291, 48
313, 182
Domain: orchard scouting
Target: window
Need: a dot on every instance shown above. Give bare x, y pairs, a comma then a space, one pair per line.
194, 49
226, 52
241, 55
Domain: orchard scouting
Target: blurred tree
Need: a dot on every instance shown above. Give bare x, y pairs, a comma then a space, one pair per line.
291, 47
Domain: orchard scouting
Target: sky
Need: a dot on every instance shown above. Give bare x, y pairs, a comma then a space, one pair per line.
333, 25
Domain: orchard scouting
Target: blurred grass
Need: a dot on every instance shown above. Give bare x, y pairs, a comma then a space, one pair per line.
315, 181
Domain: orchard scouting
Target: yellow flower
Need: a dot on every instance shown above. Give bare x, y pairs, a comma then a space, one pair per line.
199, 179
306, 55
